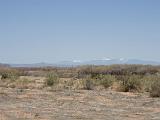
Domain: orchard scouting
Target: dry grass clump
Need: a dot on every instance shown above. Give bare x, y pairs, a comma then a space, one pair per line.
22, 83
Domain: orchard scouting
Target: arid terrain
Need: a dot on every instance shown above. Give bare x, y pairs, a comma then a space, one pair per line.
35, 103
79, 60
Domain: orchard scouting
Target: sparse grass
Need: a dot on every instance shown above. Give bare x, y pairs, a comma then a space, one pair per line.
22, 83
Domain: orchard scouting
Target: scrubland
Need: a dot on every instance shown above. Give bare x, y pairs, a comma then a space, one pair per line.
116, 92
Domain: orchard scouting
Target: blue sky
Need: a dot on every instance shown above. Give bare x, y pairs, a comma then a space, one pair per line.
56, 30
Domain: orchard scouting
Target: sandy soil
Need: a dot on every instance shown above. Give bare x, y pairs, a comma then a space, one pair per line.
38, 104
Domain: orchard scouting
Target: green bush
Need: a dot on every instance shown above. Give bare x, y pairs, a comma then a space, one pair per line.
51, 79
106, 80
155, 89
148, 81
131, 83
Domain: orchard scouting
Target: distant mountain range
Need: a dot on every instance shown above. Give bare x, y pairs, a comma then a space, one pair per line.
105, 61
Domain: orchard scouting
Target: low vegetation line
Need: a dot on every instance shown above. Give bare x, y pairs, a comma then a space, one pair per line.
124, 78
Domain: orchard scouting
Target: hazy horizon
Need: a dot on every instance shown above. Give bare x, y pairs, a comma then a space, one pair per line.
89, 61
34, 31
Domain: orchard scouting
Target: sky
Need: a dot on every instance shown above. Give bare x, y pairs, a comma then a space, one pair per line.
34, 31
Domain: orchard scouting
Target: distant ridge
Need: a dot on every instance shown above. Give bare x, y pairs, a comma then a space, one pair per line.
109, 62
32, 65
4, 65
105, 61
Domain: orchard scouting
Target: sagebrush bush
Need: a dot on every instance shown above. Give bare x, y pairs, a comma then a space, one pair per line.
51, 79
148, 81
131, 83
155, 89
106, 80
88, 83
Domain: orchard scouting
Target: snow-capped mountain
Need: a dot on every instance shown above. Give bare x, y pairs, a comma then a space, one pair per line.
104, 61
109, 61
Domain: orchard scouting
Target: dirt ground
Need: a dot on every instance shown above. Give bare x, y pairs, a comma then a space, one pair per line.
36, 103
17, 104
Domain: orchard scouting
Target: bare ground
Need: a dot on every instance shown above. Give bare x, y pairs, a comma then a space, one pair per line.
37, 104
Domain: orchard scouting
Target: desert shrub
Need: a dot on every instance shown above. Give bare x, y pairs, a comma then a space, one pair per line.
88, 83
148, 80
118, 70
106, 80
131, 83
5, 75
10, 74
51, 79
155, 89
